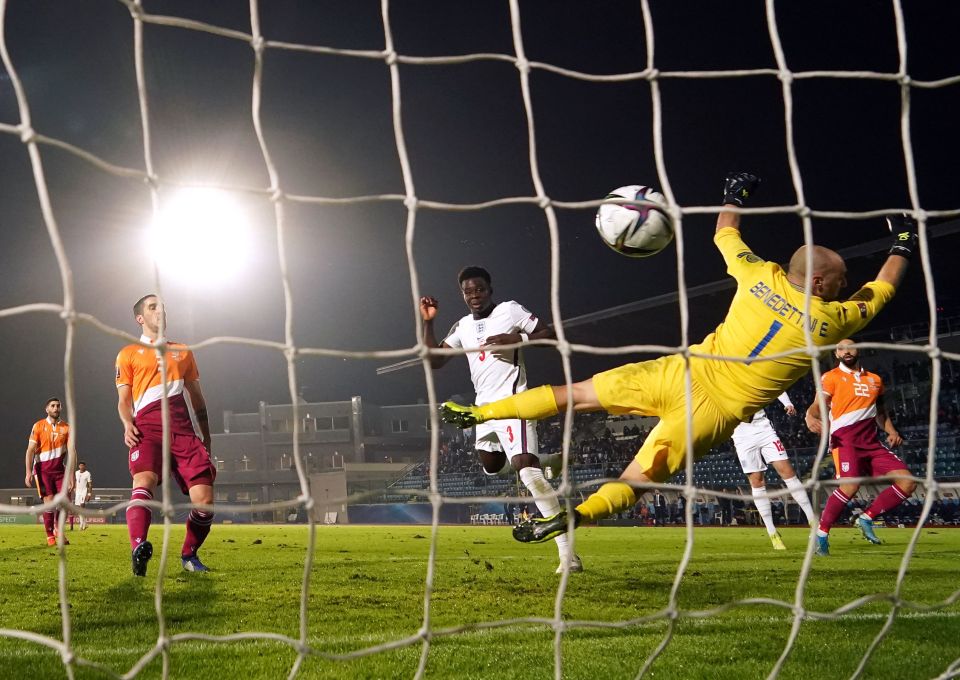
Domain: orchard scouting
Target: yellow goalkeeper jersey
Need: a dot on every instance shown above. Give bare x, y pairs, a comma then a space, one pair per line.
767, 317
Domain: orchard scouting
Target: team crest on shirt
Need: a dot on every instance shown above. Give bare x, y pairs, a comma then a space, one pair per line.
863, 310
845, 467
481, 327
175, 355
136, 454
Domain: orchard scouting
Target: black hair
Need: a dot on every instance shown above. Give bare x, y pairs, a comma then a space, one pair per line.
474, 272
51, 400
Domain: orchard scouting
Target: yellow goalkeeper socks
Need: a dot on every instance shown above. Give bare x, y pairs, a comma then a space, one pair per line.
611, 498
530, 405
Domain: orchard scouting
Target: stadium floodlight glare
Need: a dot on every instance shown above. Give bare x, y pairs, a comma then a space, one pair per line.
201, 237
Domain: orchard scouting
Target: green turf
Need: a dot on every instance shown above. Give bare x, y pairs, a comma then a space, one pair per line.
368, 585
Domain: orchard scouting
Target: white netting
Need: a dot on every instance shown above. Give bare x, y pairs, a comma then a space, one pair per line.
34, 140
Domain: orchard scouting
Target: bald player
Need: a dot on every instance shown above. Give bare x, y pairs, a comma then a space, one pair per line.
766, 317
139, 389
855, 399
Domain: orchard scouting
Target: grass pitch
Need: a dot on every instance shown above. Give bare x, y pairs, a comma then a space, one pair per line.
367, 589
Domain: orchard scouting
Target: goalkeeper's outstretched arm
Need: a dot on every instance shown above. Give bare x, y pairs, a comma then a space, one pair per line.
905, 241
737, 188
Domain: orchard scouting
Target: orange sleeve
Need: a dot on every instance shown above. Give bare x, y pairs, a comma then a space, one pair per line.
190, 371
124, 369
828, 383
35, 432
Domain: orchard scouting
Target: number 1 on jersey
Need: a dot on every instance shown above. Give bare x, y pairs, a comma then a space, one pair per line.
773, 330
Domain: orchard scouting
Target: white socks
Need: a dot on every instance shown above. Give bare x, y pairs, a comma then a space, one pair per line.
763, 507
545, 498
800, 496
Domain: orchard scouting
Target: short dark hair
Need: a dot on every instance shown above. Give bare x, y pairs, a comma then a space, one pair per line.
51, 400
82, 462
138, 305
474, 272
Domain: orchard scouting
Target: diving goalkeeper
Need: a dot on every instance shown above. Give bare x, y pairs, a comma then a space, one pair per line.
766, 317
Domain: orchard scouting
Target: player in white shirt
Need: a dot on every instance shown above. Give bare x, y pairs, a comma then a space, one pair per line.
83, 490
503, 446
758, 445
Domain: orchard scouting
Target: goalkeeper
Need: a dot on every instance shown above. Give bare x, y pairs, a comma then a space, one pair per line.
766, 317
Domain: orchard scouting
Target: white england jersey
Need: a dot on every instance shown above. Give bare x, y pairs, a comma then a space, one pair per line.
758, 431
500, 374
83, 480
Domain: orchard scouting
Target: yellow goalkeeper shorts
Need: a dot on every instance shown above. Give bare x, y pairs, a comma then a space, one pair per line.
657, 388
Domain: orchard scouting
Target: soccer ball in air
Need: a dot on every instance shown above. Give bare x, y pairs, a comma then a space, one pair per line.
638, 230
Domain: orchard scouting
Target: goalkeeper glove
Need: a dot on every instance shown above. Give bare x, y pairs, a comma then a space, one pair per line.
738, 186
905, 236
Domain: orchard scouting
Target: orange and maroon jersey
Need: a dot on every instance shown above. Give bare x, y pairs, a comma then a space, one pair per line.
51, 439
853, 403
139, 367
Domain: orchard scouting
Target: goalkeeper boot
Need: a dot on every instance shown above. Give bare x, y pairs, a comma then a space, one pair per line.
192, 563
140, 556
777, 541
823, 546
539, 530
461, 416
576, 566
866, 528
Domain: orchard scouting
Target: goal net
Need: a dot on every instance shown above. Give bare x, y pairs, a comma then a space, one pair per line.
278, 192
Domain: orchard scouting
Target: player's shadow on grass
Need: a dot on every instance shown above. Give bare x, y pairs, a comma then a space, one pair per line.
189, 601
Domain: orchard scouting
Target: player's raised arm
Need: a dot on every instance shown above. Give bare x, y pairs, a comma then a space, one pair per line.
905, 241
428, 313
131, 435
788, 406
737, 188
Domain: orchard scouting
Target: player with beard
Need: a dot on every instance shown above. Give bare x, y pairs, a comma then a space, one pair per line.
856, 410
46, 462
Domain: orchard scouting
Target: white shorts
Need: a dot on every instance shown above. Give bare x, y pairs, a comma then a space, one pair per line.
510, 436
756, 455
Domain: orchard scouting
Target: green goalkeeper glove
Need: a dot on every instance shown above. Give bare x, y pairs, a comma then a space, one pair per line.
905, 236
738, 186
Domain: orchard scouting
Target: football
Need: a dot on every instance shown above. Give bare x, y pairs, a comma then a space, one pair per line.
635, 230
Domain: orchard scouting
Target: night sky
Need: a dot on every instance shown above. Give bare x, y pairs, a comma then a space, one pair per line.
327, 121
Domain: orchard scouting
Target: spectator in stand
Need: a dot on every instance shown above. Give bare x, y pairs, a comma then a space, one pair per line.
660, 508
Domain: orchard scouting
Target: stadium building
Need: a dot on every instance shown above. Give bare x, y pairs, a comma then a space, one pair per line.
347, 447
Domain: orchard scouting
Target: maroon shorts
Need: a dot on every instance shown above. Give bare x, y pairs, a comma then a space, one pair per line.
189, 461
50, 482
875, 461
